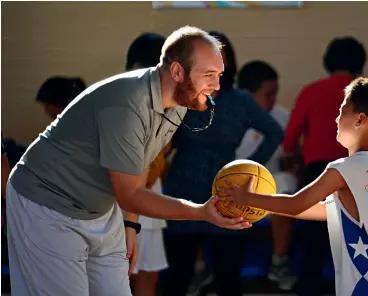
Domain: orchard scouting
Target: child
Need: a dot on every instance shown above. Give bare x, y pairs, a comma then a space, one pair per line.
151, 258
344, 185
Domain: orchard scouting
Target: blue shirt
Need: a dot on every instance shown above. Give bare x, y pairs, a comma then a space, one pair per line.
200, 155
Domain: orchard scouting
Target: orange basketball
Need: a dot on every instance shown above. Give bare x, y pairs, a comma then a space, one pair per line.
239, 172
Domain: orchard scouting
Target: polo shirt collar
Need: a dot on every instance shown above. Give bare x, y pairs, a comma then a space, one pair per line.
156, 90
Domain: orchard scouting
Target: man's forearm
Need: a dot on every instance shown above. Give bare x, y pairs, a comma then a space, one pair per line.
132, 216
148, 203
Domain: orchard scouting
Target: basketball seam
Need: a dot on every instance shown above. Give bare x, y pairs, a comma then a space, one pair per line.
244, 174
257, 183
227, 210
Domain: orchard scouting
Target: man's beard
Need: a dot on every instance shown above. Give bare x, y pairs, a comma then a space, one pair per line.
186, 95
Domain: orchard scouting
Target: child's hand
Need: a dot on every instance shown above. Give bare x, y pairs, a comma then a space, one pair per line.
237, 194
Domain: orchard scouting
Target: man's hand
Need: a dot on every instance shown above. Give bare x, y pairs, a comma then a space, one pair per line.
208, 212
132, 198
132, 248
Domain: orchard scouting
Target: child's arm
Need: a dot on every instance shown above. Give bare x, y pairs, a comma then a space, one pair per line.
316, 212
329, 182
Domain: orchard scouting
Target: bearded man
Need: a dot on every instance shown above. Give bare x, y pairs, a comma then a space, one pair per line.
66, 229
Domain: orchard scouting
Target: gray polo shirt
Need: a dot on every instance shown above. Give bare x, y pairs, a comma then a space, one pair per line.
116, 124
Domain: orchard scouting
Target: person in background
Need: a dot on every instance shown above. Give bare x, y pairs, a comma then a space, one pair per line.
313, 118
57, 92
199, 156
261, 80
5, 168
5, 171
145, 52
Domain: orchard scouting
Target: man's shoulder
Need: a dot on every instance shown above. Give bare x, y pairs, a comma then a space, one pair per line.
130, 89
128, 81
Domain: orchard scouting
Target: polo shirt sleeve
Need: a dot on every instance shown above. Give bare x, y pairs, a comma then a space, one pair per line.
122, 140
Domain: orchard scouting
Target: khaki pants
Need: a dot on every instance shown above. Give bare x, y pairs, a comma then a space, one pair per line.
52, 254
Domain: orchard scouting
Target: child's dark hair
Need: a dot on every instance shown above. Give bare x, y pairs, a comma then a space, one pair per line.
60, 90
357, 92
345, 54
145, 51
253, 74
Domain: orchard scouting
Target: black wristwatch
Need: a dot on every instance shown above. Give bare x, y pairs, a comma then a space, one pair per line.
133, 225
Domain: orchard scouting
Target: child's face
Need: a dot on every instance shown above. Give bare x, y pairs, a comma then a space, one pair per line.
348, 124
52, 110
266, 94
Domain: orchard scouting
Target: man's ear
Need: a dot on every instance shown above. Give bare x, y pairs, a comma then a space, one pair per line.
177, 72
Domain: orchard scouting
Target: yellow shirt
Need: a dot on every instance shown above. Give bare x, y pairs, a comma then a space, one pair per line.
156, 169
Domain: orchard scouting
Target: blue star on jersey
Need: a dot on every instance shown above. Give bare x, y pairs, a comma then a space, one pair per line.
356, 239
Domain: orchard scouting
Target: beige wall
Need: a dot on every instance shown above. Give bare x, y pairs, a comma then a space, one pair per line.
40, 39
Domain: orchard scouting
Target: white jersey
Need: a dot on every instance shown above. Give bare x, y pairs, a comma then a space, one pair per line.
348, 237
149, 223
252, 139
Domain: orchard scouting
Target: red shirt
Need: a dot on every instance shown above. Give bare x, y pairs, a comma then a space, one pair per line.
314, 117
